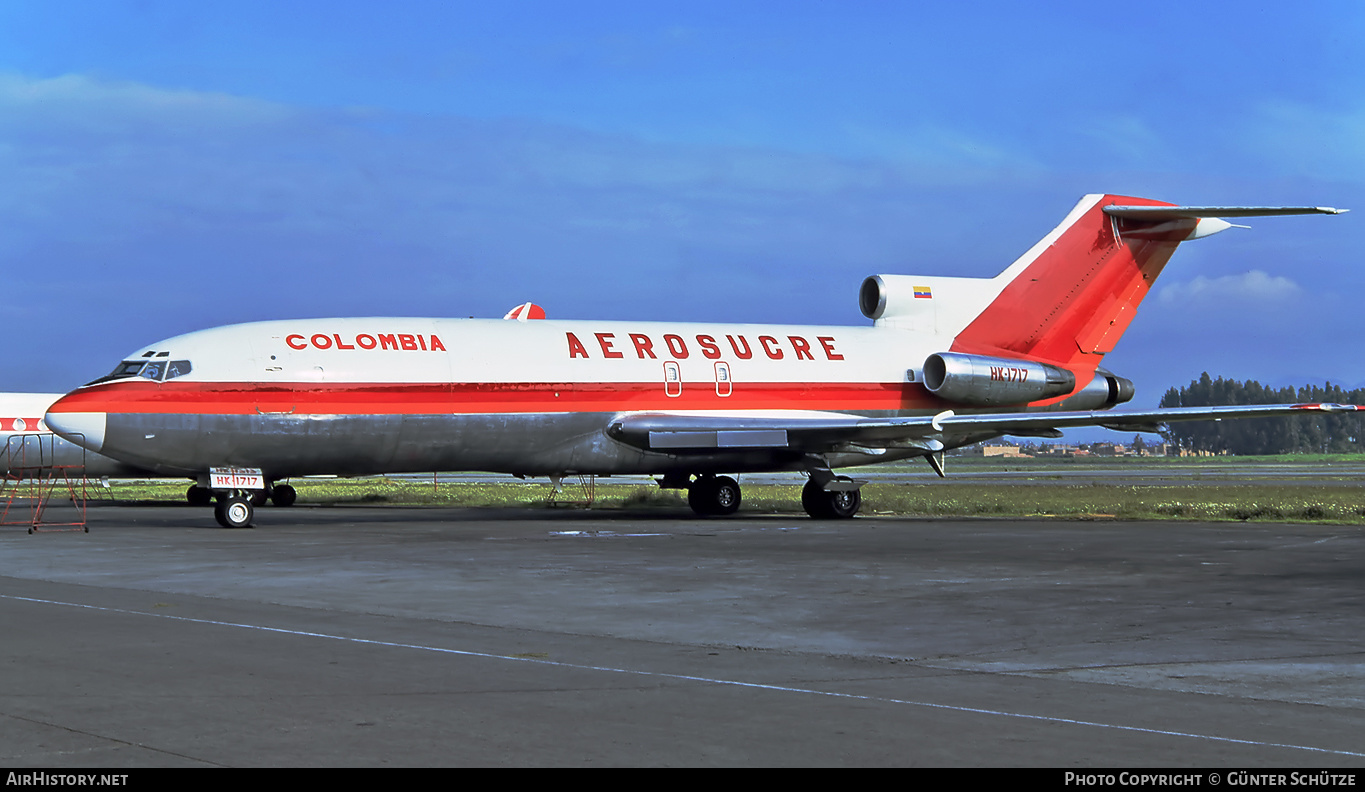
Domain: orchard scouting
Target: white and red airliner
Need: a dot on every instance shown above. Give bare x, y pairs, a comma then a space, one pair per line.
29, 448
947, 362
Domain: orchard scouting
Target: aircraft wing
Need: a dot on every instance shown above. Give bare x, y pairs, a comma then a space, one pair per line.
825, 432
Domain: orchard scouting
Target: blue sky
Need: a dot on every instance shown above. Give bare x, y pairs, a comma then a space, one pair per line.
170, 166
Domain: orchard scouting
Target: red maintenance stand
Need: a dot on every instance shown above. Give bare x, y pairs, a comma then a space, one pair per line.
33, 480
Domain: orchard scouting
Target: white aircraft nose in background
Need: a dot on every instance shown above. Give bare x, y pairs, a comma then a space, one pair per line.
82, 428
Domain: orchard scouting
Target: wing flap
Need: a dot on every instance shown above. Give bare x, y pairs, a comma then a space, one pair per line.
719, 438
702, 432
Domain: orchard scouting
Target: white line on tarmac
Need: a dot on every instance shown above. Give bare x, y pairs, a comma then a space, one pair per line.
689, 678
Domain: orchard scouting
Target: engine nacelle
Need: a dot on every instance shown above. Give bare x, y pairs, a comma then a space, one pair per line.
979, 381
925, 303
874, 296
1105, 390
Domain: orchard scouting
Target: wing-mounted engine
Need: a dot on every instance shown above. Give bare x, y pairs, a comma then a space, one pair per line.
979, 381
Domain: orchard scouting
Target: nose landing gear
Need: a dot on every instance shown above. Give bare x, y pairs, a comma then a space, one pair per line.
233, 511
234, 508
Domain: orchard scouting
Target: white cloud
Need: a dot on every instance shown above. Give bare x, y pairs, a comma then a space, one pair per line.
1126, 138
77, 100
1298, 139
1248, 289
943, 155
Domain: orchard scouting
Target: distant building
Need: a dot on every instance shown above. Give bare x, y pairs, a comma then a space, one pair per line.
1002, 450
1056, 450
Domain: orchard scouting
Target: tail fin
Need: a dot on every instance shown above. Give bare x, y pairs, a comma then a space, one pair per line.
1071, 296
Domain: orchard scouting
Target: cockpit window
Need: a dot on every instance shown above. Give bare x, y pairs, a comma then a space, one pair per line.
127, 368
155, 370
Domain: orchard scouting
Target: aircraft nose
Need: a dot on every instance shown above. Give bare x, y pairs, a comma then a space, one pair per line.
82, 428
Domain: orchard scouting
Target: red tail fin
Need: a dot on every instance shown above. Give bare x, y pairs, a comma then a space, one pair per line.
1069, 299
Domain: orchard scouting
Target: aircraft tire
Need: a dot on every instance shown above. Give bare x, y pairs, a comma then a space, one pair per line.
824, 505
843, 505
725, 496
233, 512
714, 496
199, 496
815, 503
283, 495
699, 496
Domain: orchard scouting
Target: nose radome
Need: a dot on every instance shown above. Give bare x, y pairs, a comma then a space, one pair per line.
82, 428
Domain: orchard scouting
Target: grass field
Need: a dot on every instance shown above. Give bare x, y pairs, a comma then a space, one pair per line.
1047, 492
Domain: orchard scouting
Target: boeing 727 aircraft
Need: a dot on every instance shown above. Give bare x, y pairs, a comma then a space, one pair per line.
947, 362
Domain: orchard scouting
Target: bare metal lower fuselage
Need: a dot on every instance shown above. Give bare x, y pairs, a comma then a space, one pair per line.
284, 446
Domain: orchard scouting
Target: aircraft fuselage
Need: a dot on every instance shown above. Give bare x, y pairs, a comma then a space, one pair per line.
355, 396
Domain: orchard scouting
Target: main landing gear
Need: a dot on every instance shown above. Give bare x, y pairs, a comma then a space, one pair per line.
236, 508
824, 504
714, 496
824, 497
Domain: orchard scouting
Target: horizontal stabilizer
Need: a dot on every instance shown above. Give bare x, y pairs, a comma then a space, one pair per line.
1157, 213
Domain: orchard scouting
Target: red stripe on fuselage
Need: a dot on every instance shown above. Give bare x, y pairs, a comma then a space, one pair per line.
220, 398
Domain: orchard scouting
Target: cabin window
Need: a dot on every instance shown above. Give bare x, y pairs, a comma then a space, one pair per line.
724, 386
672, 379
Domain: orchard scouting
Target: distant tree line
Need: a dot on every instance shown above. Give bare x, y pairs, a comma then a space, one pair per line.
1318, 433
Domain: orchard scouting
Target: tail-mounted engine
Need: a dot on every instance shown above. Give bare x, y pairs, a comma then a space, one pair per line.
978, 381
925, 304
1105, 390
